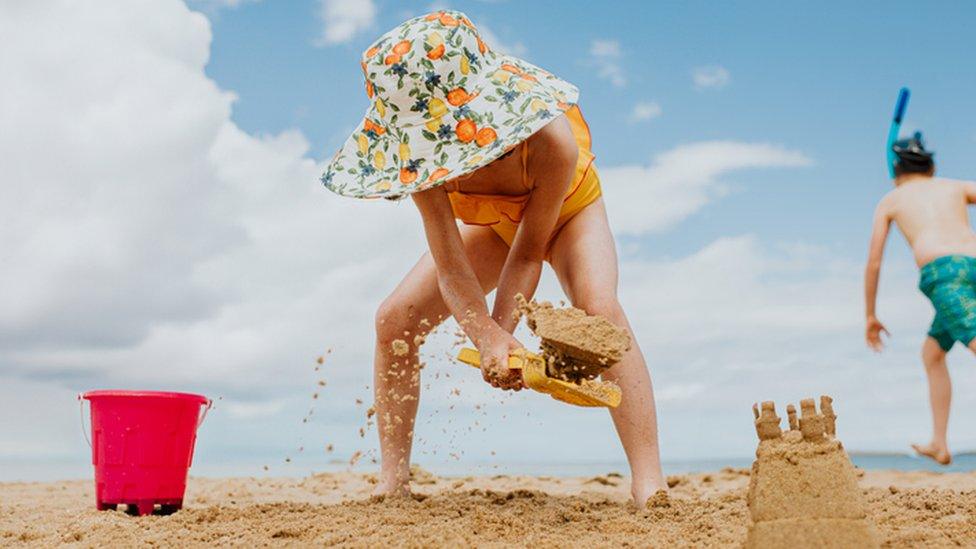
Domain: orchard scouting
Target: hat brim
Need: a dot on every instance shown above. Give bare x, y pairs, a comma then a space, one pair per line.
514, 100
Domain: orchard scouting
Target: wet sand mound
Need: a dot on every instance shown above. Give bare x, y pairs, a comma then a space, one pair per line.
576, 345
803, 490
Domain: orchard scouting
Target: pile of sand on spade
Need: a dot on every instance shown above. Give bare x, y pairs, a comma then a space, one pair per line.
576, 345
916, 509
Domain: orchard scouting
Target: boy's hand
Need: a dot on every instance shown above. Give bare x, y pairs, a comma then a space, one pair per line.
872, 333
494, 361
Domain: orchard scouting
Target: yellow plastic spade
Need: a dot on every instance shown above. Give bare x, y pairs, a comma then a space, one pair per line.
533, 368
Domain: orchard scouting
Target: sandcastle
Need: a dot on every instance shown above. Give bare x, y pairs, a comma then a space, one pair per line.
803, 491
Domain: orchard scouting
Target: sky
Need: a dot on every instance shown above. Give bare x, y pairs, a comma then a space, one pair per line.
163, 226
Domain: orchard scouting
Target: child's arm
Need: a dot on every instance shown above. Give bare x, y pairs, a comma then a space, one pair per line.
970, 191
461, 290
872, 272
554, 157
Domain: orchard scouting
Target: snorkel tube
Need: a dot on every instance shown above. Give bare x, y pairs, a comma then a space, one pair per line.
900, 107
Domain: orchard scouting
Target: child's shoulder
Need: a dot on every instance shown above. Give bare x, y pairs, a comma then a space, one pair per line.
948, 181
889, 204
888, 199
955, 187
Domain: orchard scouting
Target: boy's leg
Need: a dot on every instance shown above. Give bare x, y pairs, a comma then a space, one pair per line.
940, 396
585, 260
396, 378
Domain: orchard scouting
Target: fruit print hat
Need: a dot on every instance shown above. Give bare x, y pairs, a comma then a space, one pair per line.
443, 105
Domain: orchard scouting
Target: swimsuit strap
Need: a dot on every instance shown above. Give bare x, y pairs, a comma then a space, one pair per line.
524, 155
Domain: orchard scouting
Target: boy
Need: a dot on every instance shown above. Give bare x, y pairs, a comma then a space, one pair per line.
932, 215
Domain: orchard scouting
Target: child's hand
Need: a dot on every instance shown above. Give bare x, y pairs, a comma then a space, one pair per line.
494, 361
872, 334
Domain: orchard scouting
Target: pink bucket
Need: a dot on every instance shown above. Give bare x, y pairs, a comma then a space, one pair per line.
142, 447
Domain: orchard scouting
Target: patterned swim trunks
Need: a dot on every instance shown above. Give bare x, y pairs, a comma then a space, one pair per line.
950, 284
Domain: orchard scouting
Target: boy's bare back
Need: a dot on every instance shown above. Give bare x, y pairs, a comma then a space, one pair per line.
933, 215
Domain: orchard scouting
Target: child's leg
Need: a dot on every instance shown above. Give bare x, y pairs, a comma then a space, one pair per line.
940, 396
396, 378
585, 260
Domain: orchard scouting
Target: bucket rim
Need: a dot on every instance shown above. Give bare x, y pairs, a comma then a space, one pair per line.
158, 394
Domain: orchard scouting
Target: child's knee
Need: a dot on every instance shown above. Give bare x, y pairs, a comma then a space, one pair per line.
936, 366
607, 306
391, 319
933, 357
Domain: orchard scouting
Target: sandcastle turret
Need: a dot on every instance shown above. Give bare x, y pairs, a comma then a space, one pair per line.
811, 423
803, 490
827, 411
767, 423
791, 413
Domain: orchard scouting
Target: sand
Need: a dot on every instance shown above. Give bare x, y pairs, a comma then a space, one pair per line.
399, 347
703, 510
576, 345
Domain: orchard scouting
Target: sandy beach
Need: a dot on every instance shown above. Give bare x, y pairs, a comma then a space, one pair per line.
910, 509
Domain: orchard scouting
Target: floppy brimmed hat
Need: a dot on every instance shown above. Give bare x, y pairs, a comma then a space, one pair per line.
443, 105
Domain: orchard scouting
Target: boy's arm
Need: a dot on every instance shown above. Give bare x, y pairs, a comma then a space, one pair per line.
970, 191
556, 160
872, 272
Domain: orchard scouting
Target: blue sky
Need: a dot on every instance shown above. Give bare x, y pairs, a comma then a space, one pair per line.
208, 258
817, 78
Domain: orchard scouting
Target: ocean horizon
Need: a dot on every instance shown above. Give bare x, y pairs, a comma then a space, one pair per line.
35, 470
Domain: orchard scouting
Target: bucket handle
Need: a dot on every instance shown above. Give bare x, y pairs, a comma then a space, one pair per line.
81, 413
203, 415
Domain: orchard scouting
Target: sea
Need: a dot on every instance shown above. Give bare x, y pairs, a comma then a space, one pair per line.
14, 470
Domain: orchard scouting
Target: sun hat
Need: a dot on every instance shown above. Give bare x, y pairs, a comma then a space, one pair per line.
443, 104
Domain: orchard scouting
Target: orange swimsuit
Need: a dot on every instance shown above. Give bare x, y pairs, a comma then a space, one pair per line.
503, 212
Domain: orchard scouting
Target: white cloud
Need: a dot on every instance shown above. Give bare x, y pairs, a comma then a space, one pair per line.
681, 181
644, 111
739, 321
342, 20
165, 247
605, 48
605, 55
436, 5
149, 242
711, 76
678, 392
250, 410
212, 5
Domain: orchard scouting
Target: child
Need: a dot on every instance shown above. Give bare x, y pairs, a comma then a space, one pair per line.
472, 134
932, 214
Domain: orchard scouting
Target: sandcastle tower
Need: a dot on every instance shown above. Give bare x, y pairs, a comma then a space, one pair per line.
803, 491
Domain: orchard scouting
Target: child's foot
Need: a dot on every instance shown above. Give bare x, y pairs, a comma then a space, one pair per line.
643, 493
390, 490
937, 454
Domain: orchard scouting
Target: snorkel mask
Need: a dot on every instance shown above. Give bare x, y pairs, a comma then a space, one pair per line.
911, 153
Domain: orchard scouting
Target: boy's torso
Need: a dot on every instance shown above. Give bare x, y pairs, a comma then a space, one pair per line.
933, 215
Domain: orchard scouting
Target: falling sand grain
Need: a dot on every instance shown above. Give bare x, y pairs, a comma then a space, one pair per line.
400, 347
